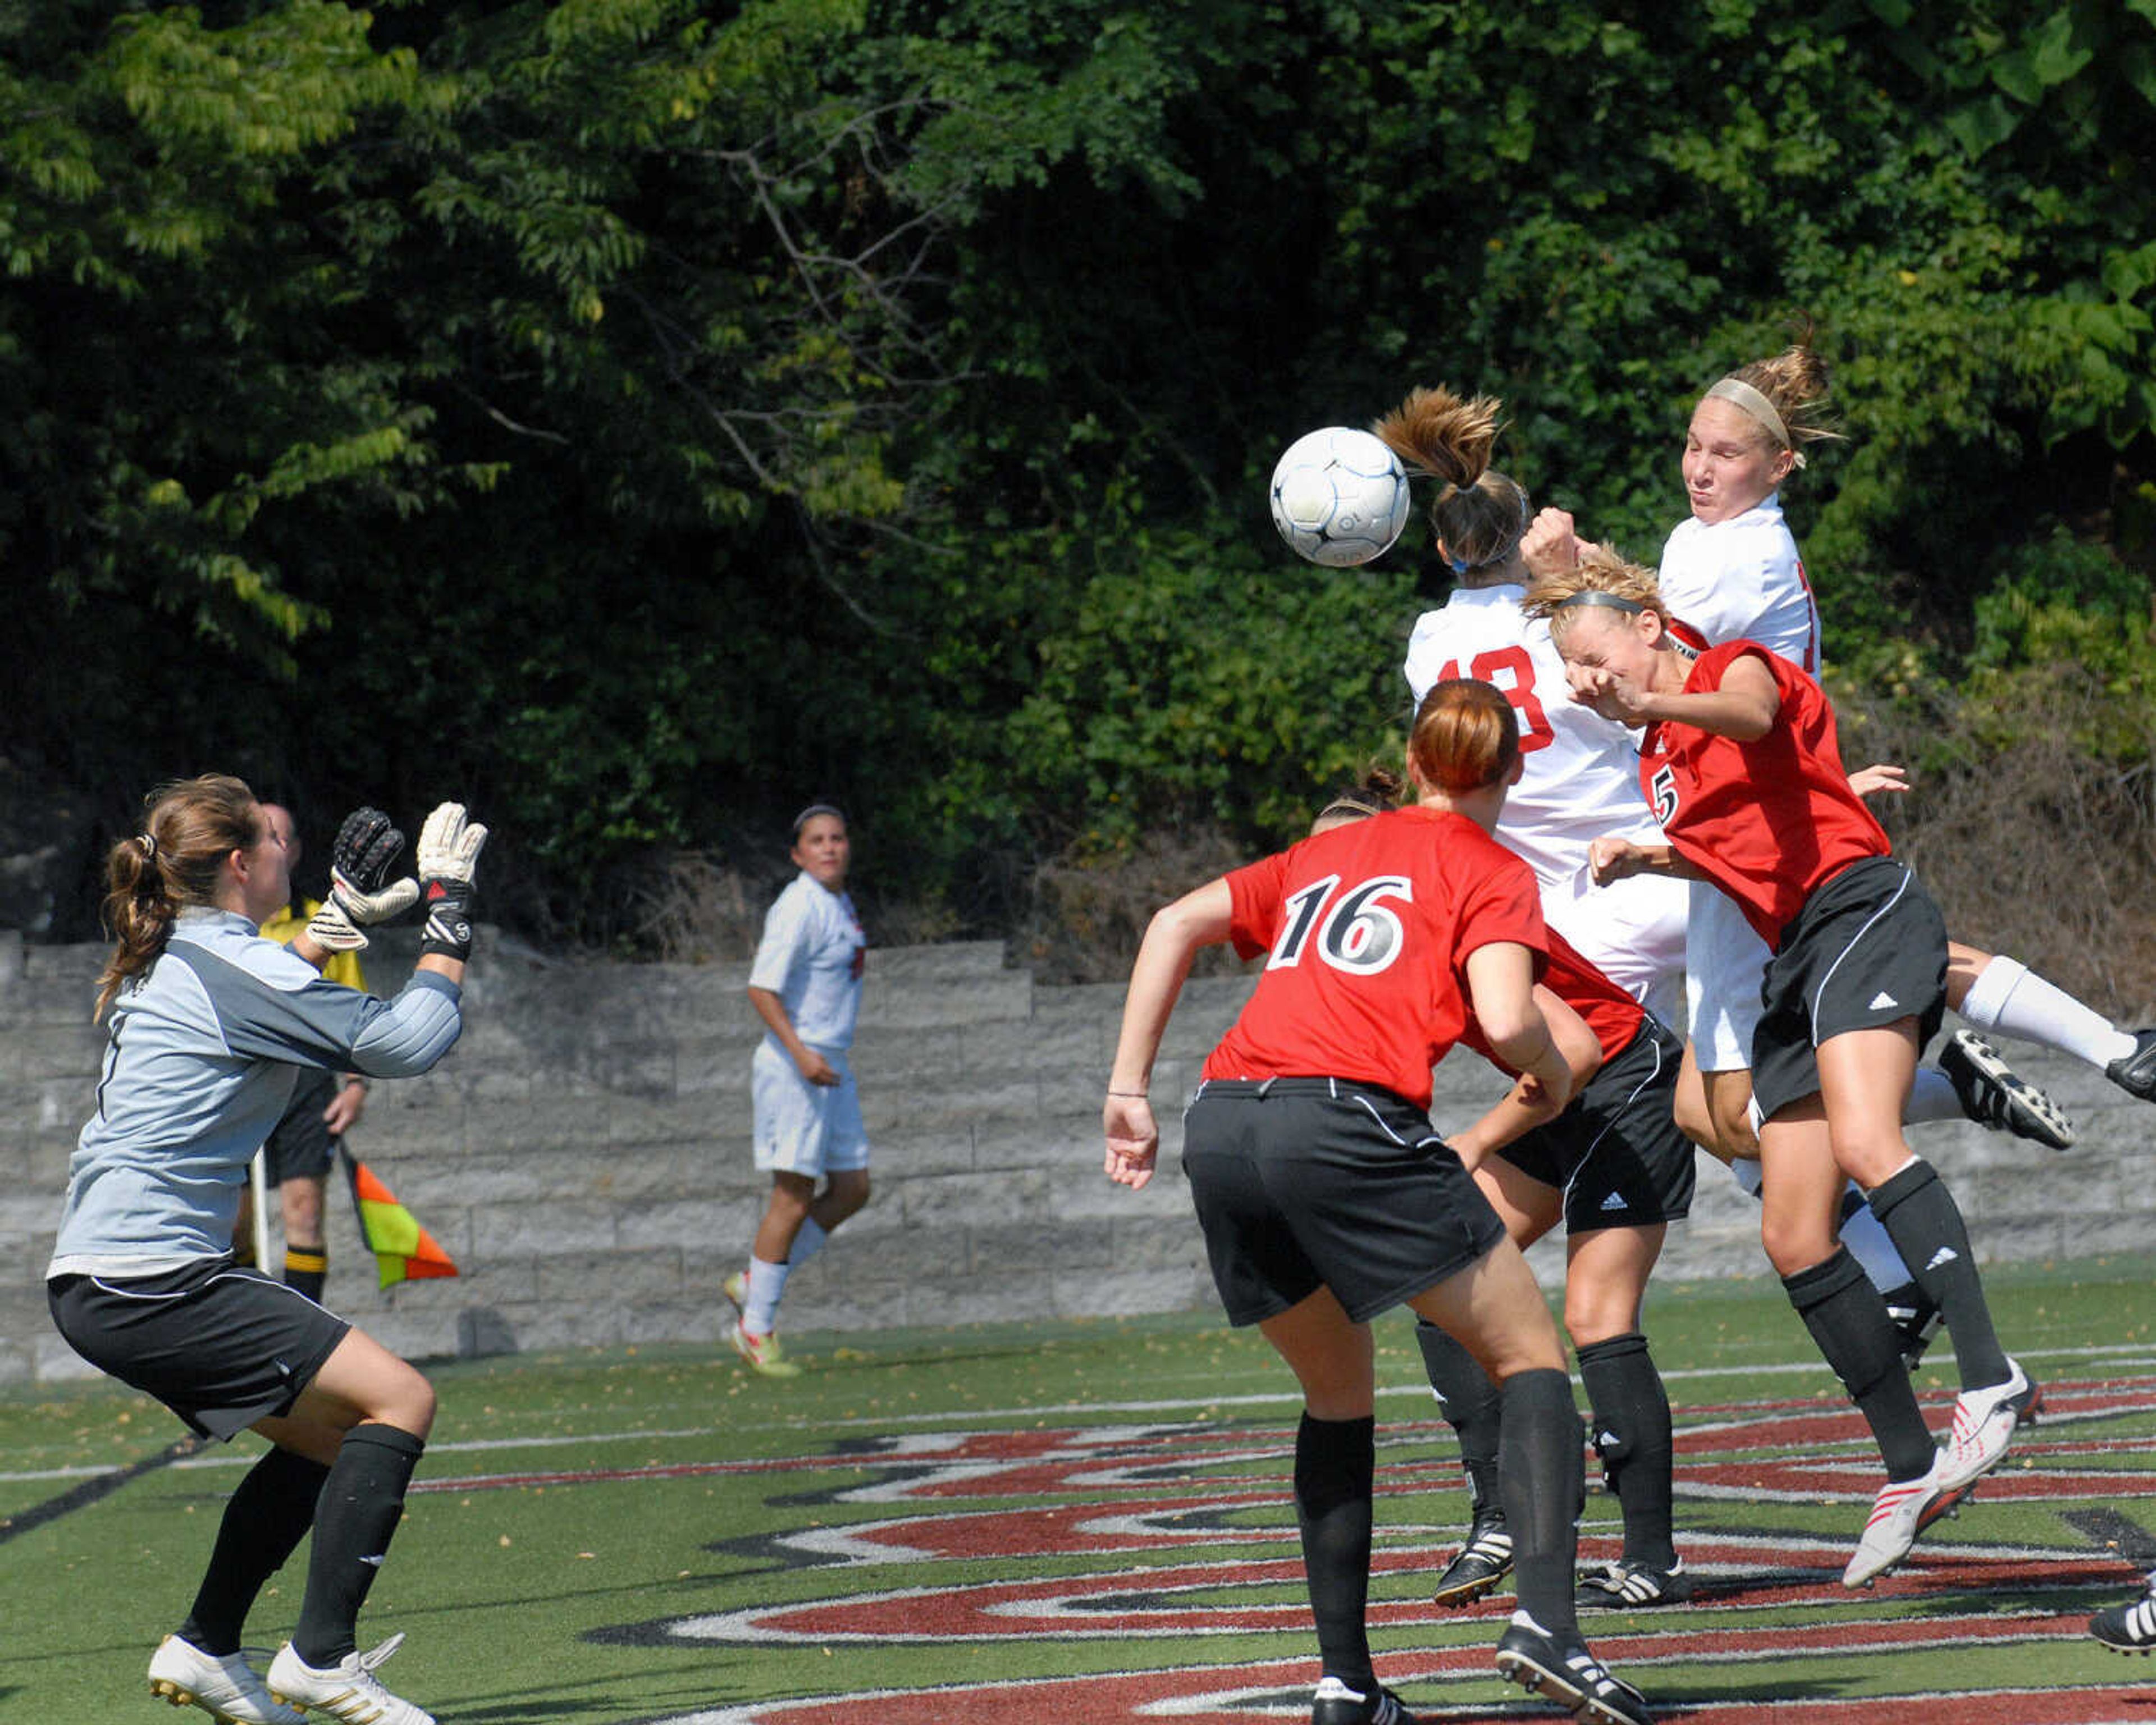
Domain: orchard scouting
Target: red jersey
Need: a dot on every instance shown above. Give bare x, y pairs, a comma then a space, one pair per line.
1368, 927
1612, 1014
1769, 822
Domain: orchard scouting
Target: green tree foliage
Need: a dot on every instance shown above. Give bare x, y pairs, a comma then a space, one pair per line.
637, 414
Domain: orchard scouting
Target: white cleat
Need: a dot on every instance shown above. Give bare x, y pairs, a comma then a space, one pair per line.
225, 1687
1984, 1421
348, 1690
1903, 1511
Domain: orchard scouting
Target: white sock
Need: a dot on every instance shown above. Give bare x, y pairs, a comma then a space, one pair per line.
2009, 998
807, 1243
766, 1283
1933, 1097
1865, 1237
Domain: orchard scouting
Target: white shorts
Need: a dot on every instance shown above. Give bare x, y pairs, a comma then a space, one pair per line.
805, 1128
1632, 931
1725, 964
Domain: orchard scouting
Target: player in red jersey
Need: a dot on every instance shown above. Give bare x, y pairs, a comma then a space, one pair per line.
1325, 1195
1740, 762
1616, 1171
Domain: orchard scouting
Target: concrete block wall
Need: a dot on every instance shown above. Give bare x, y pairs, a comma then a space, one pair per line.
584, 1155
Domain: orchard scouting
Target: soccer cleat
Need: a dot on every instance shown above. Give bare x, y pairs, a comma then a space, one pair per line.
1984, 1421
1481, 1564
1332, 1703
1902, 1510
2136, 1073
1992, 1096
348, 1690
735, 1288
2128, 1628
1567, 1674
763, 1353
1627, 1586
1916, 1321
224, 1687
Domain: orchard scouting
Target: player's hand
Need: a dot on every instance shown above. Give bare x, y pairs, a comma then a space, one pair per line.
1133, 1140
1603, 691
345, 1108
449, 851
814, 1067
1612, 860
1549, 546
361, 893
1880, 776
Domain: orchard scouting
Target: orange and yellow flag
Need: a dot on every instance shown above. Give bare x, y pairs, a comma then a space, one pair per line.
403, 1250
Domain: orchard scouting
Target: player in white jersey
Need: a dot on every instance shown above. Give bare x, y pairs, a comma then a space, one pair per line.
1733, 571
805, 984
1580, 773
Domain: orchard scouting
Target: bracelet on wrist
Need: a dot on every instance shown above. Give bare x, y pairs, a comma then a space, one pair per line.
1132, 1095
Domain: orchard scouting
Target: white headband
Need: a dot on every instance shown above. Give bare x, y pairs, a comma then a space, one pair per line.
1736, 390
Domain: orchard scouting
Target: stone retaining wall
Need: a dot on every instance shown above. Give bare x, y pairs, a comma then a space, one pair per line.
584, 1156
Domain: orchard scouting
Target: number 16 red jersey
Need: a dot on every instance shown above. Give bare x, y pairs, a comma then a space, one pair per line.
1367, 929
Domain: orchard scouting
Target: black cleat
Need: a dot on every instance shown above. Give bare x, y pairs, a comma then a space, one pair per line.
2128, 1628
1482, 1563
1916, 1321
2136, 1073
1567, 1675
1334, 1703
1635, 1587
1992, 1096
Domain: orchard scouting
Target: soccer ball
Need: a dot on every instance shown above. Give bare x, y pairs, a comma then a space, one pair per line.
1339, 496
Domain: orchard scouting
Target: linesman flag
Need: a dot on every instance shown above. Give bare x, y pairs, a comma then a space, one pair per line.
403, 1250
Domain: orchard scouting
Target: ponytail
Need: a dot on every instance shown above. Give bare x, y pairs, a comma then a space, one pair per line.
188, 829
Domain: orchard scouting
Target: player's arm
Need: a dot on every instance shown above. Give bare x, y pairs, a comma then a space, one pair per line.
1742, 709
1613, 859
811, 1064
1529, 1104
1500, 987
1202, 918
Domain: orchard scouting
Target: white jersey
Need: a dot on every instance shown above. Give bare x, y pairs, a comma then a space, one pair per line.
1742, 579
812, 956
1579, 779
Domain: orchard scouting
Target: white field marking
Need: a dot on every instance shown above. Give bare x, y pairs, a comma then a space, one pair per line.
2116, 1354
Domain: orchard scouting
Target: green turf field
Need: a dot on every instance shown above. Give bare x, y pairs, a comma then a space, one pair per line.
1089, 1522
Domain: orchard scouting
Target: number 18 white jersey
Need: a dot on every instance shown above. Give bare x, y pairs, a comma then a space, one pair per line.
1580, 780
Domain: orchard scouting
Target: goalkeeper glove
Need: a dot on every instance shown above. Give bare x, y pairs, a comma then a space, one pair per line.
362, 894
449, 850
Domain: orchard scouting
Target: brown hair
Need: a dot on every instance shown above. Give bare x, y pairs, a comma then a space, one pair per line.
1600, 570
1465, 735
188, 829
1377, 790
1481, 513
1795, 382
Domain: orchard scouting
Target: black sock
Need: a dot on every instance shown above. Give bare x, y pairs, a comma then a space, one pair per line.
1334, 1462
265, 1518
1545, 1488
361, 1502
1848, 1320
1632, 1435
1469, 1402
1923, 1221
306, 1268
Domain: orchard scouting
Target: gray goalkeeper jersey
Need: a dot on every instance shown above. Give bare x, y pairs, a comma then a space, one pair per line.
207, 1045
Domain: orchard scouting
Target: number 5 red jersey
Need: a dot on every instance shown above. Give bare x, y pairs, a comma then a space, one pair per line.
1367, 930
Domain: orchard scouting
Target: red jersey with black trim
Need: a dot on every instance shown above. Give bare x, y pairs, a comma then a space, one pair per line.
1770, 821
1612, 1014
1368, 928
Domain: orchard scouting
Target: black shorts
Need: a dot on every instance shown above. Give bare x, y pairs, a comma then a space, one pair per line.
1869, 948
299, 1145
220, 1345
1300, 1183
1616, 1152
